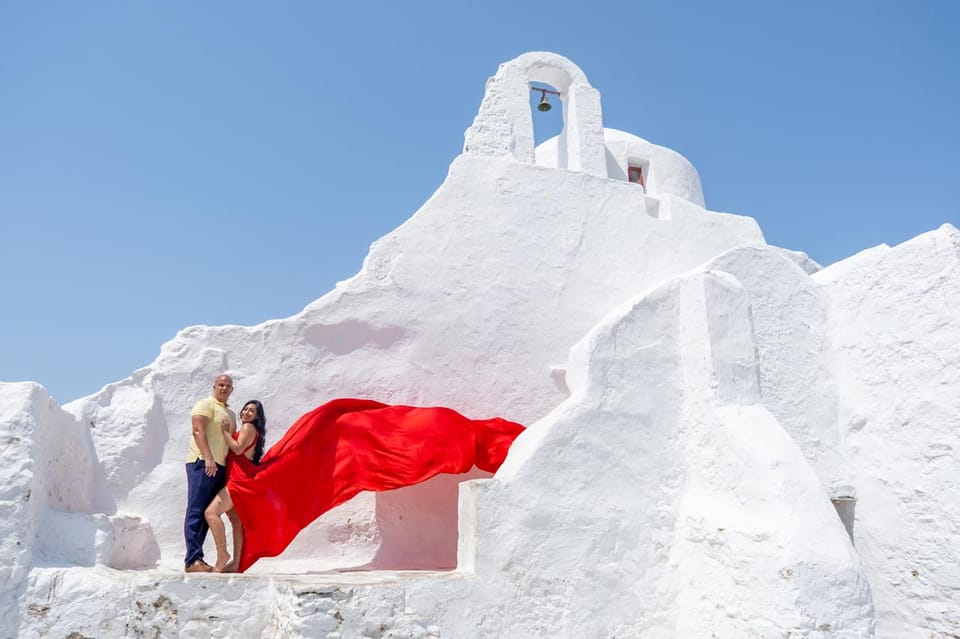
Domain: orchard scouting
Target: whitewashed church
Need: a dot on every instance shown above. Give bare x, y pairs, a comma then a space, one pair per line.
725, 440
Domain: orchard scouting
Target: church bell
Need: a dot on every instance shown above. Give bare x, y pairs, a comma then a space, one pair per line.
544, 105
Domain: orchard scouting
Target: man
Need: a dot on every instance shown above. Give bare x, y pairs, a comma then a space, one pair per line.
206, 469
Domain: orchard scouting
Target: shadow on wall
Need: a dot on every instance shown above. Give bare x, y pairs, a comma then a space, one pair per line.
424, 538
83, 539
129, 431
351, 335
846, 509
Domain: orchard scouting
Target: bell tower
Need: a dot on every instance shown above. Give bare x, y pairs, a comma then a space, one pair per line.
504, 124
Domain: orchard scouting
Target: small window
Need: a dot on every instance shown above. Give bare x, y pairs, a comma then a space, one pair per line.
635, 175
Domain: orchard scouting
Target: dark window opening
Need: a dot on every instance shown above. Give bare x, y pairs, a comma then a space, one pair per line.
635, 175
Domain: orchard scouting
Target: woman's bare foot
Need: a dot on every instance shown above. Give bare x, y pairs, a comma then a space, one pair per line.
230, 567
223, 561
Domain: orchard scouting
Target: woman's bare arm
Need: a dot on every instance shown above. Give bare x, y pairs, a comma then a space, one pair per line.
248, 433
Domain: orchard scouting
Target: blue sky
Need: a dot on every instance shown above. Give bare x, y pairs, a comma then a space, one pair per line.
165, 164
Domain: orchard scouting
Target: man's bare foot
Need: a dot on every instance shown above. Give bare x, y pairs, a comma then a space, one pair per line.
198, 566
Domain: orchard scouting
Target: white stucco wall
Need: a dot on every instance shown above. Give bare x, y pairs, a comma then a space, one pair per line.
797, 382
894, 316
662, 493
49, 474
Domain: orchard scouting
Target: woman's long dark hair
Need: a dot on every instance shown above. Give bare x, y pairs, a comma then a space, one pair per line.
260, 422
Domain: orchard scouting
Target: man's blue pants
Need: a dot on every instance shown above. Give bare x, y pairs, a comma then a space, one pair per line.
201, 490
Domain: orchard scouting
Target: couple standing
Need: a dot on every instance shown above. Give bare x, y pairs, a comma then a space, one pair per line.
214, 435
326, 457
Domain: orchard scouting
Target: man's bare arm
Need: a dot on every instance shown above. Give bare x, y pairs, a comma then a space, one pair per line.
199, 425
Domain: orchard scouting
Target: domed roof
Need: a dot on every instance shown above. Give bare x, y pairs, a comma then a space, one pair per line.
665, 172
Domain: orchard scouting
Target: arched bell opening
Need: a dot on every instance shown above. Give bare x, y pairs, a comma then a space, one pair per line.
547, 106
550, 85
504, 126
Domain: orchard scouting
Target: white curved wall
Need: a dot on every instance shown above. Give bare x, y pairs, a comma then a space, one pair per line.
661, 494
667, 173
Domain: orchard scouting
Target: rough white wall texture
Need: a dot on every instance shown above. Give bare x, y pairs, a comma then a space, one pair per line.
695, 398
663, 492
49, 474
71, 603
797, 385
895, 327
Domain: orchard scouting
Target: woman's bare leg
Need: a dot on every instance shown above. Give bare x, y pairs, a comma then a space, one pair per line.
237, 527
220, 504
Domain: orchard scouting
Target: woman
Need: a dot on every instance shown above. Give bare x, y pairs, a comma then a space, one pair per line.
335, 452
247, 443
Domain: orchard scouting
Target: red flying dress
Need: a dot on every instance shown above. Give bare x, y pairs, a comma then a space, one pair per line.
347, 446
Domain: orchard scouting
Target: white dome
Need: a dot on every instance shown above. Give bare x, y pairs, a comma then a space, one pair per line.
665, 172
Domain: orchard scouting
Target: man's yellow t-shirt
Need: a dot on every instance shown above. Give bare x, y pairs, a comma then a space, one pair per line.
214, 412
